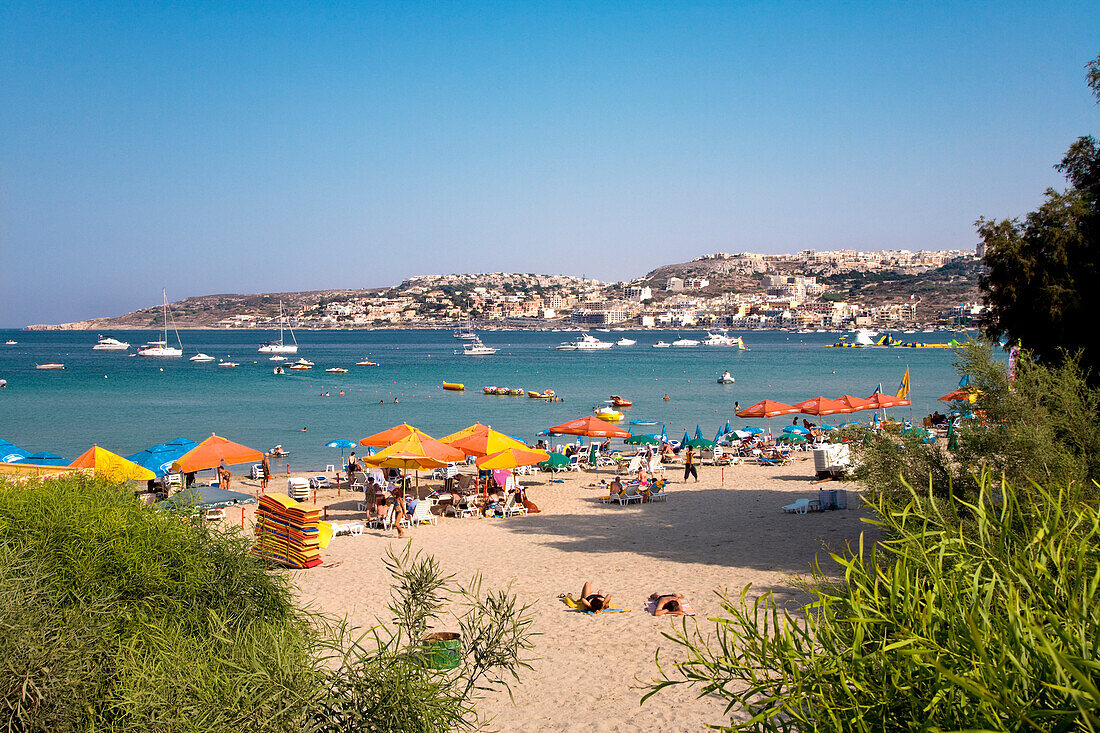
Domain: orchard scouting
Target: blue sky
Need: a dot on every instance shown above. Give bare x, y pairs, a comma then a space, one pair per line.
244, 147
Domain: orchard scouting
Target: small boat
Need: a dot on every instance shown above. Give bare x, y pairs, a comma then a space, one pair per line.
3, 383
685, 343
719, 339
10, 342
106, 343
625, 342
661, 345
304, 362
607, 414
454, 386
586, 342
278, 370
477, 348
645, 422
300, 367
617, 401
49, 365
276, 358
278, 451
337, 370
228, 364
366, 362
201, 357
726, 378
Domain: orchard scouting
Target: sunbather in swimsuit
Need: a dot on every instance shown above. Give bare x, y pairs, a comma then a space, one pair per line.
594, 601
667, 604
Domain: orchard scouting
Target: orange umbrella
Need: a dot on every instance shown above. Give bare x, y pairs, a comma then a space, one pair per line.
822, 406
512, 458
391, 436
465, 433
421, 445
855, 404
767, 408
880, 401
962, 394
591, 426
483, 443
212, 451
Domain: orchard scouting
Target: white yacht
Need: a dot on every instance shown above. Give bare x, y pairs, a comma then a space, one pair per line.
719, 339
661, 345
625, 342
477, 348
685, 343
161, 347
585, 343
106, 343
201, 357
278, 347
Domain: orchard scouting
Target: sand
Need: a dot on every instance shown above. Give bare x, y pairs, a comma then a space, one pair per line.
724, 532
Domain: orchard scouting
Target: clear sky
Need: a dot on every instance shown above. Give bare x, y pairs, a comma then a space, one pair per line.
244, 147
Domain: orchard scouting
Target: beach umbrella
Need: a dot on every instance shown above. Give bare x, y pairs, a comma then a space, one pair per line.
158, 458
698, 432
741, 434
664, 434
643, 440
591, 426
796, 429
882, 401
212, 452
418, 444
827, 427
44, 458
112, 466
700, 443
390, 436
718, 435
556, 460
767, 409
512, 458
850, 423
341, 443
684, 440
10, 452
791, 438
822, 406
753, 430
465, 432
855, 404
486, 442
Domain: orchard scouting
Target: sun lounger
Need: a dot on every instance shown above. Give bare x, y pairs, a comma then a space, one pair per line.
659, 495
422, 514
685, 605
630, 494
799, 507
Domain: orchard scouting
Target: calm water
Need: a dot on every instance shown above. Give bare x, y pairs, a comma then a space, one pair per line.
126, 404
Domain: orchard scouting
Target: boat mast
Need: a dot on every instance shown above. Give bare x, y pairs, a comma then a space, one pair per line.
289, 327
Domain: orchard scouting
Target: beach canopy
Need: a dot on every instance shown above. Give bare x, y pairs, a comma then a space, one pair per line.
767, 408
881, 401
201, 498
486, 442
752, 430
43, 458
512, 458
412, 447
791, 438
700, 443
822, 406
796, 429
855, 404
390, 436
159, 458
464, 433
10, 453
591, 426
112, 466
211, 452
340, 443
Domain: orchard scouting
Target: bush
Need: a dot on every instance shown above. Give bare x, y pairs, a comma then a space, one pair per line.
988, 624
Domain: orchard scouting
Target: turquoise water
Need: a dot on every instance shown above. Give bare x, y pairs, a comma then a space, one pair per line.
126, 404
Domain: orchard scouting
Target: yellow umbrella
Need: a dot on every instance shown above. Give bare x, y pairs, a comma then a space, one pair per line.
512, 458
112, 466
417, 451
487, 442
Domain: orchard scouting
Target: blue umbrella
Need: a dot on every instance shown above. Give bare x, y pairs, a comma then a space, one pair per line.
850, 423
159, 458
45, 458
718, 435
753, 429
10, 453
341, 443
827, 427
796, 429
686, 438
664, 434
698, 432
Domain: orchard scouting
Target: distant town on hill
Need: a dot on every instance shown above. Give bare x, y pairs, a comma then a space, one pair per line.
845, 288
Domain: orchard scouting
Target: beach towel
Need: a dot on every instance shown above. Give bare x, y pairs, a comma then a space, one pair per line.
576, 605
685, 605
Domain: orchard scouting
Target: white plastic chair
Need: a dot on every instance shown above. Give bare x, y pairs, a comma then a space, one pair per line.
422, 514
799, 507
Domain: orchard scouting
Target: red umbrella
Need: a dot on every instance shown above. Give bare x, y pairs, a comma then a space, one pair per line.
822, 406
591, 426
768, 408
855, 404
880, 401
962, 394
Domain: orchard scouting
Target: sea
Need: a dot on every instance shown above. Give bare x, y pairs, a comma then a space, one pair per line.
127, 403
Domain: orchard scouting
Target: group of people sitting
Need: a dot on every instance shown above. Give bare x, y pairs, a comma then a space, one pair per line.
664, 604
646, 486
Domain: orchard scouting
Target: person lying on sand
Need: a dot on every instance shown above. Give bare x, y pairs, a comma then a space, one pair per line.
594, 601
667, 604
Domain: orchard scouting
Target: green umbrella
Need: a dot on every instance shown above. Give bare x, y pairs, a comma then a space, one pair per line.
643, 440
556, 460
791, 438
701, 443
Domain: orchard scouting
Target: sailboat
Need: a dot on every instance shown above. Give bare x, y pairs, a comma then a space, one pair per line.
161, 347
278, 347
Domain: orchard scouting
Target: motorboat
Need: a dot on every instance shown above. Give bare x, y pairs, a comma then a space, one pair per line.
276, 358
10, 342
726, 378
228, 364
586, 342
685, 343
366, 362
719, 339
304, 362
161, 347
625, 342
661, 345
609, 414
278, 347
49, 365
278, 370
201, 357
336, 370
106, 343
300, 367
617, 401
477, 348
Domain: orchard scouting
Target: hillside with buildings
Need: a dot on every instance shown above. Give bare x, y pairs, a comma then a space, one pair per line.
884, 289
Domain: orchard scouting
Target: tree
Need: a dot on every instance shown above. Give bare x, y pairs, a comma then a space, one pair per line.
1040, 284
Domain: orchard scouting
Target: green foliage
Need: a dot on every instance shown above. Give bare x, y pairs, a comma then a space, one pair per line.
988, 624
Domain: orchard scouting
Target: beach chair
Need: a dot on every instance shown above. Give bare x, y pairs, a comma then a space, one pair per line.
511, 508
318, 482
466, 506
799, 507
422, 514
173, 482
630, 494
633, 467
656, 466
387, 521
256, 472
659, 494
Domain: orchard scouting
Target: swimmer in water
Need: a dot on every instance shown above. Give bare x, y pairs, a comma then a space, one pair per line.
666, 398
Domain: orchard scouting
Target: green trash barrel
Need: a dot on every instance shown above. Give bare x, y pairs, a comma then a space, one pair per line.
443, 649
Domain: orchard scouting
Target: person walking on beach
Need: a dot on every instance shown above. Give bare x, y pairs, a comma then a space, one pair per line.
225, 478
265, 472
689, 465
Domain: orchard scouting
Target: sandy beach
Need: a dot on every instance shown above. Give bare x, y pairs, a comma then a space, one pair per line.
723, 532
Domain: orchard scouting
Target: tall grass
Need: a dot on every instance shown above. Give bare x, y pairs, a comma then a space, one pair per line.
987, 623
